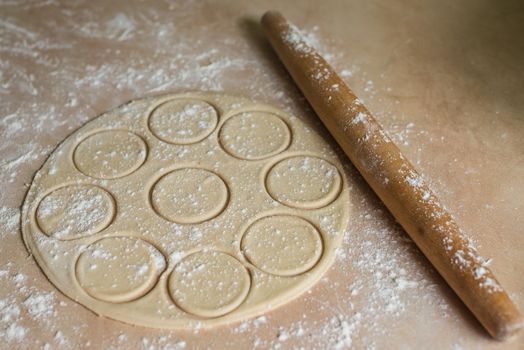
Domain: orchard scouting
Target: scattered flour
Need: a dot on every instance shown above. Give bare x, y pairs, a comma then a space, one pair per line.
9, 316
40, 305
9, 220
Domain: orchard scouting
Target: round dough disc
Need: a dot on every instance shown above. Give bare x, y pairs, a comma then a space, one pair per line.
268, 241
110, 154
254, 135
187, 210
119, 269
209, 284
189, 195
183, 121
73, 211
304, 182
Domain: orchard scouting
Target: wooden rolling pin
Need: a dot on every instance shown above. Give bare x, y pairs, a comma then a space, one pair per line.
394, 180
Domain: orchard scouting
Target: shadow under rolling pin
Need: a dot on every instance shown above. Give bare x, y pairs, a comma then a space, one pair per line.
394, 180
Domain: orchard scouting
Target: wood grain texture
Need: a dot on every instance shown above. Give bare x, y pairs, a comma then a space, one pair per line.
395, 181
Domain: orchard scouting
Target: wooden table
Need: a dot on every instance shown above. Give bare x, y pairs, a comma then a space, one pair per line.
444, 78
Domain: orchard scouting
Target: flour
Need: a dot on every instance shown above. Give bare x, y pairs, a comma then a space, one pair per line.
344, 329
25, 307
10, 329
40, 305
121, 28
162, 343
9, 220
14, 333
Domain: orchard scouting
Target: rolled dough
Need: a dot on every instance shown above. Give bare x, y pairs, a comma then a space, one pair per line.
187, 210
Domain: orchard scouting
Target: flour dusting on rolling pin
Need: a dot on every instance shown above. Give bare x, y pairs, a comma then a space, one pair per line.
395, 180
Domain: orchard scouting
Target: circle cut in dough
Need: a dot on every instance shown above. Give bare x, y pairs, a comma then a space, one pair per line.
119, 269
304, 182
110, 154
75, 211
189, 195
209, 283
183, 121
254, 135
282, 245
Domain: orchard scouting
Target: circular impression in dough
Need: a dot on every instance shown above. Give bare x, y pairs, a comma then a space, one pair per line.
268, 241
209, 283
254, 135
124, 150
187, 210
189, 195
